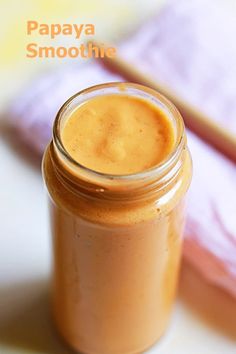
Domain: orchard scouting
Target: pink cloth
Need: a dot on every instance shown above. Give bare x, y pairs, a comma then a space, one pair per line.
190, 47
32, 114
187, 49
210, 235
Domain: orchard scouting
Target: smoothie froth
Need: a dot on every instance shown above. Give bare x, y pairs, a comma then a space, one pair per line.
118, 134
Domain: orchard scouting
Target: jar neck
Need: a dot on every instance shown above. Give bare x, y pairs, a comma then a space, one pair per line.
151, 183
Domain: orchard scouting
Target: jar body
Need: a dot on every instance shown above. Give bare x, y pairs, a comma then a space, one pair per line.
115, 266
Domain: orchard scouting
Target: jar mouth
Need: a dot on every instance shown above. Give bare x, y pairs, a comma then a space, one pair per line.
132, 89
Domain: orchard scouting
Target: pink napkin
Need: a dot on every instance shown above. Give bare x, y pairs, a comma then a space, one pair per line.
32, 114
187, 49
210, 235
190, 47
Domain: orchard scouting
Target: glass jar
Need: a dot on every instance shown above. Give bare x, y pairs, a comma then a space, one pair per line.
116, 239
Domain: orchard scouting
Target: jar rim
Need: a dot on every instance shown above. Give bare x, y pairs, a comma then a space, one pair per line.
156, 97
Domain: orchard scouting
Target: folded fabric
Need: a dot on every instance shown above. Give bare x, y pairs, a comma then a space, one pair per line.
189, 48
34, 111
173, 48
210, 234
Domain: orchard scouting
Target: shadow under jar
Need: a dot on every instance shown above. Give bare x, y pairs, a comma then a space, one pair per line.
116, 238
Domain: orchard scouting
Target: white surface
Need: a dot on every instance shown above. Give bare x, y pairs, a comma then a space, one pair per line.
25, 325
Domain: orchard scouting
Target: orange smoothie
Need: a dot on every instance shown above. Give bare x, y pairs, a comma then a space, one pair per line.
117, 172
118, 134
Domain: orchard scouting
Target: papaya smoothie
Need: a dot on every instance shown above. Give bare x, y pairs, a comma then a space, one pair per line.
117, 171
